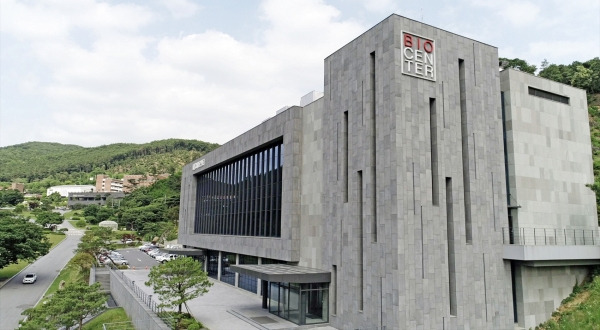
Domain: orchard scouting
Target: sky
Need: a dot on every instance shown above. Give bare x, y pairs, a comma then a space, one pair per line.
91, 72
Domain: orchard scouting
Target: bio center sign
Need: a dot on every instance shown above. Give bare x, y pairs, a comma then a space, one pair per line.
418, 56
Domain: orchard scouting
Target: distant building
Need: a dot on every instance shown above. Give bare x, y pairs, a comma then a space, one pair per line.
65, 190
96, 198
20, 187
128, 184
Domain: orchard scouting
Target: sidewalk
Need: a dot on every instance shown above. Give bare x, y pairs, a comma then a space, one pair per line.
225, 307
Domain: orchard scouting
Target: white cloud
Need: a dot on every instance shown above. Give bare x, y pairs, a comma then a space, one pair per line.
205, 85
181, 8
89, 72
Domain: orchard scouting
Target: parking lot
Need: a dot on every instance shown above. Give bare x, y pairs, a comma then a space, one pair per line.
137, 259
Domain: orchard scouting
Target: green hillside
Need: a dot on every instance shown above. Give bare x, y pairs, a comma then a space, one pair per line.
41, 164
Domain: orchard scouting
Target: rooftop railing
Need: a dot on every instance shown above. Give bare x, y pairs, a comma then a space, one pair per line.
550, 236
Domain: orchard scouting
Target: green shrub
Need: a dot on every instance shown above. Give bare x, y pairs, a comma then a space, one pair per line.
80, 223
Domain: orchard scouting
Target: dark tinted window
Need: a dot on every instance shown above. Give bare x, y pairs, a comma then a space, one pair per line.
242, 197
548, 95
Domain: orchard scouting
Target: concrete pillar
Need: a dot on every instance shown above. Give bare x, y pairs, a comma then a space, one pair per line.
219, 266
237, 275
258, 280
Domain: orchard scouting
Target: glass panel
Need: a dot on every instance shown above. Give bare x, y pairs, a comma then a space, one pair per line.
227, 275
274, 298
212, 267
294, 303
316, 303
248, 282
242, 197
283, 301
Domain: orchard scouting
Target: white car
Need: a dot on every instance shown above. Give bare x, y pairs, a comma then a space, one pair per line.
29, 278
165, 257
154, 253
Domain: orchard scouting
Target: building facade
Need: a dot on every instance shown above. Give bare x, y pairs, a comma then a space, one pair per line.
95, 198
65, 190
382, 204
129, 183
552, 233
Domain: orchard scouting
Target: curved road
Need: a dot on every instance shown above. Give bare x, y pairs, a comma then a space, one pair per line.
15, 297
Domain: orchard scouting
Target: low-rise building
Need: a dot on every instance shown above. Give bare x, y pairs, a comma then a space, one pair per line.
66, 189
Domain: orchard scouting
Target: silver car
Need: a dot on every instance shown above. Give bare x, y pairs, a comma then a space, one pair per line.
29, 278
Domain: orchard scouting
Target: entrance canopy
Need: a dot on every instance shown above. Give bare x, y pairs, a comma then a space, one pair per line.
284, 273
183, 251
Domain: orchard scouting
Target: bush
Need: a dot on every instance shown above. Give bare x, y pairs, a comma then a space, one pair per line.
80, 223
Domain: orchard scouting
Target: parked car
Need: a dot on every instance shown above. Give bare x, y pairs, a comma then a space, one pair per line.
118, 261
29, 278
154, 253
166, 257
147, 248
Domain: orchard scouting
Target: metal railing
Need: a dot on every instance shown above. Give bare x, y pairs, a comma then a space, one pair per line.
146, 299
550, 236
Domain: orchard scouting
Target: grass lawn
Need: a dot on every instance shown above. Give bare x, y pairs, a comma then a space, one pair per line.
581, 310
55, 238
67, 274
112, 315
12, 269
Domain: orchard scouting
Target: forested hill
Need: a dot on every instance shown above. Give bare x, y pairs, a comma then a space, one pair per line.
57, 163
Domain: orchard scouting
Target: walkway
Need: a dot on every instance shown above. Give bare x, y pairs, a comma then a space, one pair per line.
225, 307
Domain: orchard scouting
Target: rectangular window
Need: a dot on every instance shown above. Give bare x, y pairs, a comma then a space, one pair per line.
360, 242
373, 81
242, 197
548, 95
465, 150
434, 151
451, 249
346, 164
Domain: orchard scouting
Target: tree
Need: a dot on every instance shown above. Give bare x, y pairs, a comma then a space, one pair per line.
582, 78
11, 197
20, 240
517, 64
95, 240
104, 213
82, 263
46, 218
178, 281
66, 308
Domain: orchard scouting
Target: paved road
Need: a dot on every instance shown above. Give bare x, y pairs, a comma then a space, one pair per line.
15, 297
138, 259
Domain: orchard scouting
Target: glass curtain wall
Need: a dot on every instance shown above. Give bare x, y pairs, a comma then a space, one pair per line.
300, 303
248, 282
242, 197
227, 275
212, 266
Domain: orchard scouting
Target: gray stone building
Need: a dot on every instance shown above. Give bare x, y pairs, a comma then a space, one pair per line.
383, 203
552, 233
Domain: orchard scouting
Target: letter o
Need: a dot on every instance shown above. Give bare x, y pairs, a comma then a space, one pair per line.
428, 46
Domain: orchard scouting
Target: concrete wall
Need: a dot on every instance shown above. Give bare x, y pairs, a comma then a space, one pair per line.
542, 290
312, 224
390, 245
549, 163
288, 126
141, 315
550, 154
